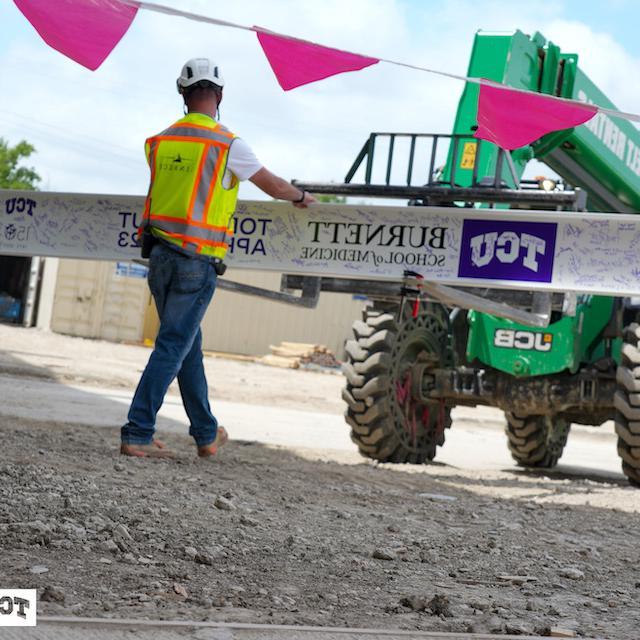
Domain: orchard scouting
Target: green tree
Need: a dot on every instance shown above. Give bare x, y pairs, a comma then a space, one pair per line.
329, 198
12, 175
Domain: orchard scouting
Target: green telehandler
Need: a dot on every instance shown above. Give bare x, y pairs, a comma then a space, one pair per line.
412, 361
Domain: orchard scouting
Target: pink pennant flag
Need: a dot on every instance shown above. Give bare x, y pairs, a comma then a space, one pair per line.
512, 119
297, 62
84, 30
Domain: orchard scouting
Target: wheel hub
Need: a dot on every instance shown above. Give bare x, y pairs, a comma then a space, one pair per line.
418, 421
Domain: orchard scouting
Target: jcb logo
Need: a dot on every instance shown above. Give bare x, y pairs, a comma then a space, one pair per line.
525, 340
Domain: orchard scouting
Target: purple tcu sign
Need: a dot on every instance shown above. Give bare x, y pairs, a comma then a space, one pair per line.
507, 250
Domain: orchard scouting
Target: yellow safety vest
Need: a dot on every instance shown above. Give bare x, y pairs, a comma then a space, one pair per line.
187, 203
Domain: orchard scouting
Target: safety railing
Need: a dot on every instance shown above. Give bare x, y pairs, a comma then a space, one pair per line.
473, 146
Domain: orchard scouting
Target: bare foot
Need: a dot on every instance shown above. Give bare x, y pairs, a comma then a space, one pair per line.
211, 449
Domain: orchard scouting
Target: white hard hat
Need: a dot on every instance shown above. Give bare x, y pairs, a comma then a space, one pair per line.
198, 70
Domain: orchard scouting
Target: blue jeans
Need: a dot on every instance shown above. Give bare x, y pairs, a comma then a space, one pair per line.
182, 288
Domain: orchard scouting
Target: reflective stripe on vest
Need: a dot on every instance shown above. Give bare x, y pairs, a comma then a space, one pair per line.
204, 232
195, 132
187, 204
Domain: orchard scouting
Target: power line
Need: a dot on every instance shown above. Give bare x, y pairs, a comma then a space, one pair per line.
76, 141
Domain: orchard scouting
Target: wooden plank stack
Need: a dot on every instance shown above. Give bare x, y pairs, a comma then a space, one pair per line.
290, 355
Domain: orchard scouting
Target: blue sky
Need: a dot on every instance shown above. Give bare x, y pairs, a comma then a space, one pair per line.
619, 18
89, 128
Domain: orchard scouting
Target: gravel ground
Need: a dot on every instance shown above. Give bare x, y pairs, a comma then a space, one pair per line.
264, 534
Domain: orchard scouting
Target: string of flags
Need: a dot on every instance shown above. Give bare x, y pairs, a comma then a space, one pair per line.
88, 30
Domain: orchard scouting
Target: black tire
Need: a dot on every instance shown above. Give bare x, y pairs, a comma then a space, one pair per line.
536, 441
387, 423
627, 404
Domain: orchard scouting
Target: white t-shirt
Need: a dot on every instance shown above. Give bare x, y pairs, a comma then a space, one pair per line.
242, 162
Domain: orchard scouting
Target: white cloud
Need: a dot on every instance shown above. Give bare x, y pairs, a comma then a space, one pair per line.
606, 63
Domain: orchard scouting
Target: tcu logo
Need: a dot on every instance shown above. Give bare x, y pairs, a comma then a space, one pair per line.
20, 205
525, 340
507, 250
506, 247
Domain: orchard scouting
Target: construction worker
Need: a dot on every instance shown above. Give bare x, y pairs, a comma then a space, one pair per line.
196, 166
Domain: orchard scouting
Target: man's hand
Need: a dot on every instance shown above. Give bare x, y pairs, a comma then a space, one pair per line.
276, 187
